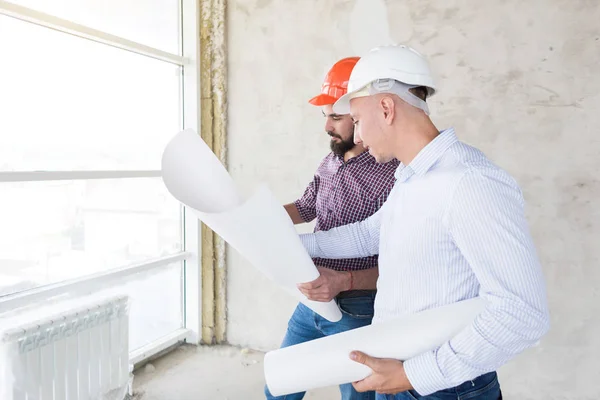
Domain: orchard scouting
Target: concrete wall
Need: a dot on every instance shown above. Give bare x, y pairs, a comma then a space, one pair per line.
517, 79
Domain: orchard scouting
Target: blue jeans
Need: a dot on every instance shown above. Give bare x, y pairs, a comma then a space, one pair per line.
485, 387
305, 325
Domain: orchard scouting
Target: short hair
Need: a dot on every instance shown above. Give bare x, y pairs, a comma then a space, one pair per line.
420, 91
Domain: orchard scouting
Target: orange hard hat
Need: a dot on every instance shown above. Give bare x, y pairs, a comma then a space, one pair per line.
335, 84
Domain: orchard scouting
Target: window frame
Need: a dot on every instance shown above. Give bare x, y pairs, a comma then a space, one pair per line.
189, 65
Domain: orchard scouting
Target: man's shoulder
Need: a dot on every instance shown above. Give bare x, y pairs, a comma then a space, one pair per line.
328, 162
473, 169
465, 157
466, 165
330, 156
394, 164
387, 167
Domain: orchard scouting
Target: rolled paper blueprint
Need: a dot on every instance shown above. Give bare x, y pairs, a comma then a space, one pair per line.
326, 362
259, 228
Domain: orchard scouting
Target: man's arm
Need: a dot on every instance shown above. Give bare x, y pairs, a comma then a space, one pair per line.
365, 279
487, 223
360, 239
305, 208
330, 283
294, 214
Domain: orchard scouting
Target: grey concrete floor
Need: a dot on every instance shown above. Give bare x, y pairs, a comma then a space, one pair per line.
202, 373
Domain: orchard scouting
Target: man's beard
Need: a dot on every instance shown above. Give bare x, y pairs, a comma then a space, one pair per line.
340, 148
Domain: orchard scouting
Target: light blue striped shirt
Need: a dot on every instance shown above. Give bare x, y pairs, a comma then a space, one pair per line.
452, 228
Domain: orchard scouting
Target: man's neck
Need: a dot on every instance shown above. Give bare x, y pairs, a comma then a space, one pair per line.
355, 151
413, 140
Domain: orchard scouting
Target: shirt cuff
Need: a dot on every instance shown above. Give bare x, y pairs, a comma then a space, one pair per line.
309, 241
424, 374
304, 213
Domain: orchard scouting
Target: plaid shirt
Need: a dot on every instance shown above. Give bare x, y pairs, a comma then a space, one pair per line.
345, 192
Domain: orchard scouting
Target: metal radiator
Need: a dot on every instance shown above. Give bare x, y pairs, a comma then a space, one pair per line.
80, 354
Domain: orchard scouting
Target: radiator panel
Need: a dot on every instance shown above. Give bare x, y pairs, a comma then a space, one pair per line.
80, 354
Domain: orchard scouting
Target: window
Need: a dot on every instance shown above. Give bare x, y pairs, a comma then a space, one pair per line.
73, 104
90, 94
153, 23
58, 230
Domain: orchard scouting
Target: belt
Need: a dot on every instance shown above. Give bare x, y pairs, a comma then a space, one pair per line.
356, 293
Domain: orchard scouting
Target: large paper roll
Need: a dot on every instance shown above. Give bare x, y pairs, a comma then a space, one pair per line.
325, 362
259, 228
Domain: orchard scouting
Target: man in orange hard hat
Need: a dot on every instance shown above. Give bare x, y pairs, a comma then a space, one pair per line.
348, 186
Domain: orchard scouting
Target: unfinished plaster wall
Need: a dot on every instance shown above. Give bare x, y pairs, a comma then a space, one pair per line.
517, 79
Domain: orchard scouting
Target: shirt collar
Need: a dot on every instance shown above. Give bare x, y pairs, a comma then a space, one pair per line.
361, 158
428, 156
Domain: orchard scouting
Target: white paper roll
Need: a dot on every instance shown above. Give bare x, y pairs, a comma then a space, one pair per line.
326, 362
259, 228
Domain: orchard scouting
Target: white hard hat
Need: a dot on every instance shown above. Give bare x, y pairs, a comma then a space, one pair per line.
398, 62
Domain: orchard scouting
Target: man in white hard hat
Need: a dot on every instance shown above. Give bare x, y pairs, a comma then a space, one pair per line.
452, 228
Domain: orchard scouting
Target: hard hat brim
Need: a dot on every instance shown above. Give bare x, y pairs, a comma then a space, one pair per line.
322, 100
342, 105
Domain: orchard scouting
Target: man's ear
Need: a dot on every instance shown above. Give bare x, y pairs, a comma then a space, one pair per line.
388, 107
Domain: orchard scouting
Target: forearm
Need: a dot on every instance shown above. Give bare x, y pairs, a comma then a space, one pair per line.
496, 336
357, 240
294, 214
365, 279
